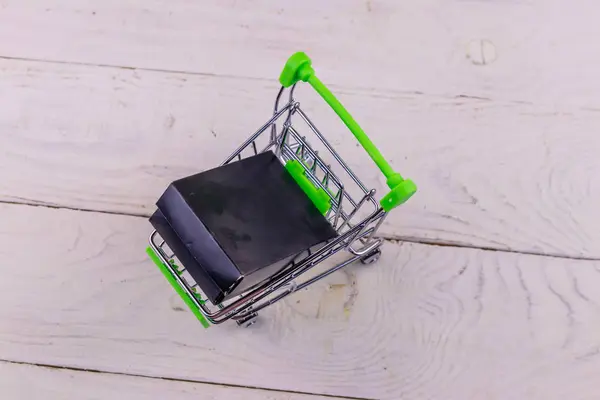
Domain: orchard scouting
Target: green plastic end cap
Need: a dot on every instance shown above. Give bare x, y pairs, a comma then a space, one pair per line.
317, 195
171, 279
398, 195
297, 68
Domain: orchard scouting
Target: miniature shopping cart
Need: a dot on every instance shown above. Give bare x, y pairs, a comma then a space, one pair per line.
240, 237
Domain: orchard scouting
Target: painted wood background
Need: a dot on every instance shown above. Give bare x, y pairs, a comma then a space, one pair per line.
487, 288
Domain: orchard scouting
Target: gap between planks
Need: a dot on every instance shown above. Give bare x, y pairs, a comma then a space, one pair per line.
387, 237
165, 378
364, 90
132, 68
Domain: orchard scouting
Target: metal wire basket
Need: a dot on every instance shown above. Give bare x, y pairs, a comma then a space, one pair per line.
347, 204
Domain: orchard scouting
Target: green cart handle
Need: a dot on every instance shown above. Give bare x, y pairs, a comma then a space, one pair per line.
299, 68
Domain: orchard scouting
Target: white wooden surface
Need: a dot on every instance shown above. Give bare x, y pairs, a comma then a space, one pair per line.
529, 50
491, 173
26, 382
426, 322
491, 107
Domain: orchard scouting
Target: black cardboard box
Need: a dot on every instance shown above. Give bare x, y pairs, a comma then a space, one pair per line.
234, 226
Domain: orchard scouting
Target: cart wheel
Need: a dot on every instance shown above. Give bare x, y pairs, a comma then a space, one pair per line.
247, 321
371, 257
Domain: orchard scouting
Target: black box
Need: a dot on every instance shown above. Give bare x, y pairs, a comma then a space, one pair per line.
234, 226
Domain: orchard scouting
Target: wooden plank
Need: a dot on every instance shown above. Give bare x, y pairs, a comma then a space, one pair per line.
491, 174
537, 51
21, 381
425, 322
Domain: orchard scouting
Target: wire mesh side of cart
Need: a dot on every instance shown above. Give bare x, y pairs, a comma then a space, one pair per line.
355, 218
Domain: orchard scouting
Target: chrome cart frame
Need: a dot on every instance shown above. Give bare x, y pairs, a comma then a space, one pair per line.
355, 214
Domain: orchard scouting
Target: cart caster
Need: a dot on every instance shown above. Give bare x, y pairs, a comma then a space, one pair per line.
372, 257
248, 320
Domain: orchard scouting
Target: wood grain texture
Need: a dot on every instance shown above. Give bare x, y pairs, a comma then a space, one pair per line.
491, 174
536, 50
425, 322
21, 382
